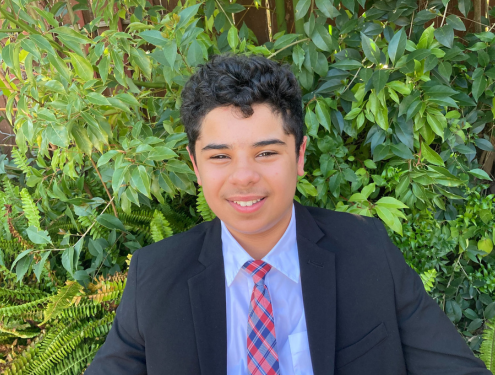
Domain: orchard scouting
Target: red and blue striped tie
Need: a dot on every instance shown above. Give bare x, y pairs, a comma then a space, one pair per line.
262, 357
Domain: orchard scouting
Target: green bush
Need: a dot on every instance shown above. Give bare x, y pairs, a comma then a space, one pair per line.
397, 119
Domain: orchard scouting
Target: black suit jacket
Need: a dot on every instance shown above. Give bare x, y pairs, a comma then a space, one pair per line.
366, 310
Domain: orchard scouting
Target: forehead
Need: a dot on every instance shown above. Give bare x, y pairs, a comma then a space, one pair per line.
227, 124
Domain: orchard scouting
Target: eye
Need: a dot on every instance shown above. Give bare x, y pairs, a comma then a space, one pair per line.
219, 157
267, 153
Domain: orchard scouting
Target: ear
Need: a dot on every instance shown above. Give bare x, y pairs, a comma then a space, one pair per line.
194, 165
300, 161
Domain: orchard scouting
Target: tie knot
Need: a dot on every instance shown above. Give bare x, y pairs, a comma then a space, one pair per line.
258, 269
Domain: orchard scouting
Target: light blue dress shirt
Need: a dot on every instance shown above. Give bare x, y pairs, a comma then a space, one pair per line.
284, 284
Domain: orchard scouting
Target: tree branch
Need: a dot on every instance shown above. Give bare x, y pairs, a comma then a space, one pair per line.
105, 186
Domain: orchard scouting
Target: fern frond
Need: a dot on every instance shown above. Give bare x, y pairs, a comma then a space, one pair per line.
66, 343
428, 279
21, 161
487, 349
11, 191
97, 231
141, 216
203, 207
81, 311
76, 361
62, 300
160, 227
31, 212
30, 308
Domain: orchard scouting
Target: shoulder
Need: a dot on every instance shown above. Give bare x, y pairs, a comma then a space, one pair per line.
350, 232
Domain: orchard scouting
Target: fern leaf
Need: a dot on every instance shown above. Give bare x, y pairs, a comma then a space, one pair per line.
21, 161
428, 278
203, 207
62, 300
160, 227
487, 348
11, 192
30, 210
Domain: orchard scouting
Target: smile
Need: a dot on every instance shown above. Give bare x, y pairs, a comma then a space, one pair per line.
247, 203
247, 207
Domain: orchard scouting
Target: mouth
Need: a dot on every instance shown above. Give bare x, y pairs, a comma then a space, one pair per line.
248, 203
247, 207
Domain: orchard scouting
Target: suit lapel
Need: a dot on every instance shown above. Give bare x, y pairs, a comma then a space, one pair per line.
319, 292
208, 301
207, 294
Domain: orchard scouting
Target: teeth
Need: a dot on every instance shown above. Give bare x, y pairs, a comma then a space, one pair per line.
247, 203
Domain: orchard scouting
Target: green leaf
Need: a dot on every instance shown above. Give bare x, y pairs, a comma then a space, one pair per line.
104, 159
437, 123
103, 68
142, 60
170, 52
445, 35
306, 188
371, 50
23, 266
322, 39
127, 98
60, 66
402, 151
110, 222
195, 54
490, 311
347, 64
162, 153
380, 78
456, 22
486, 245
430, 155
37, 236
479, 83
55, 86
82, 67
30, 46
82, 140
98, 99
397, 45
390, 219
154, 37
390, 202
302, 8
72, 34
232, 38
186, 14
368, 190
480, 173
38, 267
140, 180
426, 38
285, 40
58, 135
323, 115
486, 215
326, 7
19, 257
484, 144
42, 43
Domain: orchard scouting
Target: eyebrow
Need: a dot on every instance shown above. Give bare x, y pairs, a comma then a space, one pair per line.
223, 146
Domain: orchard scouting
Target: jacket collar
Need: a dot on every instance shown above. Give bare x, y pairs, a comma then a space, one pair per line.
208, 301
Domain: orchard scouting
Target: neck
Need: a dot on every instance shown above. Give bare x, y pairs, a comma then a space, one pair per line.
259, 244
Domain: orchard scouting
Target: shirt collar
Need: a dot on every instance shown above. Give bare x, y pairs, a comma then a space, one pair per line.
283, 256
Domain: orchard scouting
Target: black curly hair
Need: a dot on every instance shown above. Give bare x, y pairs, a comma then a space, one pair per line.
241, 81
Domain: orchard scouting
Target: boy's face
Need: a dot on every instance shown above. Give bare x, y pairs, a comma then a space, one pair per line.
241, 160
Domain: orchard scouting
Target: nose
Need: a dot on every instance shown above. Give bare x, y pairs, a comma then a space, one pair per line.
244, 174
